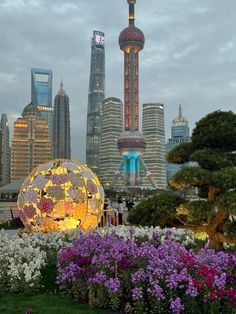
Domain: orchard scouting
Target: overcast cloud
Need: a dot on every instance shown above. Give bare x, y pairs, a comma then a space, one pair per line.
189, 55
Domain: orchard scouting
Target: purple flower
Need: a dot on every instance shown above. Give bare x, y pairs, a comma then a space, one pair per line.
59, 178
112, 285
28, 311
98, 278
231, 279
31, 195
39, 182
29, 211
137, 293
72, 273
156, 291
139, 275
192, 290
220, 280
176, 306
92, 188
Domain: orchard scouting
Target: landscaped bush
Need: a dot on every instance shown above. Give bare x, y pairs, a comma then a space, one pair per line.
147, 277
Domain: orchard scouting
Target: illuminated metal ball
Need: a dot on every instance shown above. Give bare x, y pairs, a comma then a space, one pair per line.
59, 195
131, 37
131, 141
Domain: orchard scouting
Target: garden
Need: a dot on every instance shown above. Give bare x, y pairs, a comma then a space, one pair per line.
176, 256
119, 269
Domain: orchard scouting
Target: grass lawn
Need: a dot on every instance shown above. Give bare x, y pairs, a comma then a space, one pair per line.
43, 304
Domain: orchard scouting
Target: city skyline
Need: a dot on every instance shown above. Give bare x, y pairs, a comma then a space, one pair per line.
189, 56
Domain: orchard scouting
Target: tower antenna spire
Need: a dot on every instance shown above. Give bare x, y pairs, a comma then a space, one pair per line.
180, 110
131, 12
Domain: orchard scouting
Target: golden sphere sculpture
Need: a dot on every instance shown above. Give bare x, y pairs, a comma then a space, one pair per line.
60, 194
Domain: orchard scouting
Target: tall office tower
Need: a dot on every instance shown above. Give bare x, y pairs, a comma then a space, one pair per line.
30, 143
62, 139
153, 127
41, 96
5, 159
95, 98
111, 128
131, 143
179, 134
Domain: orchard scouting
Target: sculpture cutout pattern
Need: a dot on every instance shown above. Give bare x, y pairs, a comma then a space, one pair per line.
59, 195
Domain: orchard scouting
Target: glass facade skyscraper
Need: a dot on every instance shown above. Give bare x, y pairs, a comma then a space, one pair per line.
5, 158
96, 96
153, 128
179, 134
62, 139
111, 127
30, 143
41, 96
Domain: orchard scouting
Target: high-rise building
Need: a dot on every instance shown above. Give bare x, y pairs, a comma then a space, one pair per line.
41, 96
111, 128
153, 127
179, 134
131, 143
95, 98
5, 159
62, 139
30, 143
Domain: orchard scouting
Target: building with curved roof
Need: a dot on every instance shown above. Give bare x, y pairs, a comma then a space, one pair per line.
31, 145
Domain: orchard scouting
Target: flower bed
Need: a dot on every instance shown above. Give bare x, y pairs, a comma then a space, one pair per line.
133, 269
24, 258
147, 276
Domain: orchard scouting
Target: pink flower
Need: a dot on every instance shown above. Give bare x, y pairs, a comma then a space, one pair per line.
45, 205
29, 211
212, 295
92, 188
22, 217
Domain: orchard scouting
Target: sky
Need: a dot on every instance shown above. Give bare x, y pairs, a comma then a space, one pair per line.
189, 56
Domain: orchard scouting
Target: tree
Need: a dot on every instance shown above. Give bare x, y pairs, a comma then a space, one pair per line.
213, 147
157, 210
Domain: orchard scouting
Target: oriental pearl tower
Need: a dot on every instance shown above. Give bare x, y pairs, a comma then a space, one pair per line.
131, 144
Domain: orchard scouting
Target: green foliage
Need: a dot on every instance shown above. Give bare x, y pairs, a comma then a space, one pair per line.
227, 202
199, 212
158, 210
225, 179
231, 228
191, 177
180, 154
212, 159
213, 148
217, 131
49, 275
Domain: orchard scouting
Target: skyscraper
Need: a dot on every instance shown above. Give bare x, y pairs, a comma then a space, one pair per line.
111, 128
30, 143
5, 160
131, 143
179, 134
154, 131
95, 98
41, 96
62, 139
